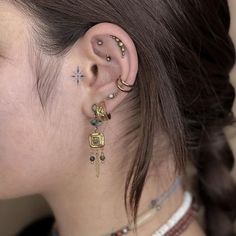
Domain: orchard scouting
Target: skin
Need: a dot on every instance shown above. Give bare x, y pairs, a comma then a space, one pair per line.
47, 151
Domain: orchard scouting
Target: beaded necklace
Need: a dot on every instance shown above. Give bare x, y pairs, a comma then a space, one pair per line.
177, 223
181, 219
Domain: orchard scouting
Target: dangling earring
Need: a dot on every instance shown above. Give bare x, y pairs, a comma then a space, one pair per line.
97, 138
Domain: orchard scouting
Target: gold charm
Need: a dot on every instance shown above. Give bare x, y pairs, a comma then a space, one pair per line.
97, 160
96, 138
100, 111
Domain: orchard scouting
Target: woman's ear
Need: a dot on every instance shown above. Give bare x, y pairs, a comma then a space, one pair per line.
103, 55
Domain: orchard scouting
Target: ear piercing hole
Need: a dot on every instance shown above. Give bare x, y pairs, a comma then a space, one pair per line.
111, 96
120, 44
100, 42
108, 58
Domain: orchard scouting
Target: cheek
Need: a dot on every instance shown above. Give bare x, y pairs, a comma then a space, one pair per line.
36, 152
31, 157
21, 159
25, 157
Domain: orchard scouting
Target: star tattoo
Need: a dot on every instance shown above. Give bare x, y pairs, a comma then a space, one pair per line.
77, 75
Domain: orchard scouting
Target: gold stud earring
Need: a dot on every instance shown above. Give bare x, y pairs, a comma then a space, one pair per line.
108, 58
100, 42
120, 44
111, 96
97, 138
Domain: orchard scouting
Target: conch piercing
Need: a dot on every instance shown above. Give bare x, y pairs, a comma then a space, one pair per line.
97, 138
100, 42
120, 45
123, 86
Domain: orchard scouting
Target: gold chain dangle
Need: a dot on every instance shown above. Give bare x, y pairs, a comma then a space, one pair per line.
97, 138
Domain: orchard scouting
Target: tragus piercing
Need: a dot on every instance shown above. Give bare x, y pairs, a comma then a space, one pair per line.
120, 45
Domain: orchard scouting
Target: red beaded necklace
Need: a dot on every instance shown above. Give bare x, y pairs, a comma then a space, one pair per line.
184, 223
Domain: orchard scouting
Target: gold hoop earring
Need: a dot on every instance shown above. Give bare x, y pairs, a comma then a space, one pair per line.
97, 138
121, 84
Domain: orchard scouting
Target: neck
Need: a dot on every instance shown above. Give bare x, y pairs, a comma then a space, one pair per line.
94, 206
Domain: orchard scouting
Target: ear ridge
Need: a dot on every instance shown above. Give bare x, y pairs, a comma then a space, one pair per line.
110, 57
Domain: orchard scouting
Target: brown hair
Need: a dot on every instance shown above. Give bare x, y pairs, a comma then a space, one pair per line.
185, 56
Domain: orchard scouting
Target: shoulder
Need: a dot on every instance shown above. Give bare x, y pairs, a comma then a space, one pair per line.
40, 227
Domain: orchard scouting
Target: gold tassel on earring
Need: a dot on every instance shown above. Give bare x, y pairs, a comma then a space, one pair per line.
97, 138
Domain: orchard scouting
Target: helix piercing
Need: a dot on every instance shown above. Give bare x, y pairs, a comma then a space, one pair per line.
120, 45
121, 84
77, 75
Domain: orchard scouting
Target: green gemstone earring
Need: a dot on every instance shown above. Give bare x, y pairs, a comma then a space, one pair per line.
97, 138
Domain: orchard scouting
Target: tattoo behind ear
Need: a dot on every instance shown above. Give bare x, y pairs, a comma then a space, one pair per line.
77, 75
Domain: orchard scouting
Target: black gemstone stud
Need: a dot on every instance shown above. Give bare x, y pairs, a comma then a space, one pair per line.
102, 158
92, 158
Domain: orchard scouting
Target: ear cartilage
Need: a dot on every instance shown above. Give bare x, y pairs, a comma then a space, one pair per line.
108, 58
120, 45
111, 96
77, 75
100, 42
